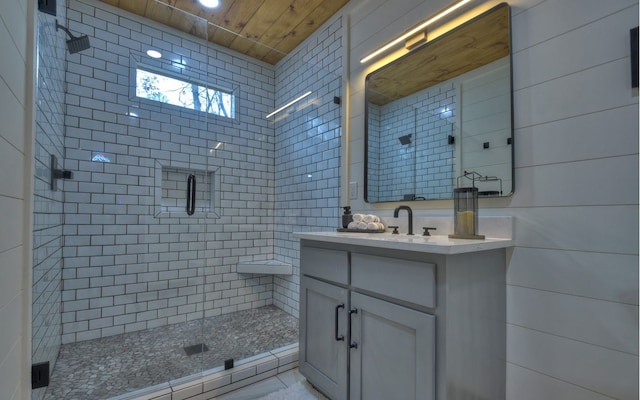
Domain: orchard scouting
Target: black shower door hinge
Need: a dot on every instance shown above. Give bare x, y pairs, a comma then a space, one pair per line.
47, 6
40, 375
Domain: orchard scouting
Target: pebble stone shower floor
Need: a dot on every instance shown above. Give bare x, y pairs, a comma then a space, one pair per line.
115, 365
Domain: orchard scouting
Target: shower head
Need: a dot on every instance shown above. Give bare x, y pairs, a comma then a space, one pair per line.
75, 44
406, 139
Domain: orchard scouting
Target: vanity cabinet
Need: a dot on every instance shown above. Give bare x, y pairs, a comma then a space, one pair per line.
387, 324
323, 336
392, 351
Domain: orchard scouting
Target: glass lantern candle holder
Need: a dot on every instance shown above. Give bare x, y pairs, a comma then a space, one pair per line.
465, 213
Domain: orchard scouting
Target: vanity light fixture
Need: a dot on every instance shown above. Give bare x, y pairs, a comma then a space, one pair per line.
417, 30
210, 3
289, 104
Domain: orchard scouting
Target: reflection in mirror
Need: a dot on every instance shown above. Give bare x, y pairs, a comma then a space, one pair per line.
440, 111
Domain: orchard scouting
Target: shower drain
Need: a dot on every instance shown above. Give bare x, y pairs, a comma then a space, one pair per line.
196, 349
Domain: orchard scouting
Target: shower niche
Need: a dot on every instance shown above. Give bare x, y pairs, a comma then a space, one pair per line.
182, 191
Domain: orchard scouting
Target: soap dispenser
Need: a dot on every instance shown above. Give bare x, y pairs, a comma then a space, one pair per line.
346, 217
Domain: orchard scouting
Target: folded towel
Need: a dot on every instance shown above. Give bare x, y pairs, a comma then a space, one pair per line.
370, 218
358, 217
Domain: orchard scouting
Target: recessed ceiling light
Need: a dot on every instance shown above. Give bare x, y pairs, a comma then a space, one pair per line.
210, 3
154, 53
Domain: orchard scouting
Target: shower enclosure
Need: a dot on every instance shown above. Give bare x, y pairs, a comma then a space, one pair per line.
175, 180
411, 134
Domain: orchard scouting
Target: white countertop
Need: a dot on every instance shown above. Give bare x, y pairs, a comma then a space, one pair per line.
440, 244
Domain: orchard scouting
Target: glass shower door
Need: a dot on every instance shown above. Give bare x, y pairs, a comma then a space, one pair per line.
128, 301
171, 92
175, 190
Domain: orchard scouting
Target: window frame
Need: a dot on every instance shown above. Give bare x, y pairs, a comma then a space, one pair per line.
159, 70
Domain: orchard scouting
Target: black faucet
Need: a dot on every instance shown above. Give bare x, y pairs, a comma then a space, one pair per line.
395, 215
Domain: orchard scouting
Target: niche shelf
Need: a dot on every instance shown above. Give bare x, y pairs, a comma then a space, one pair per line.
171, 191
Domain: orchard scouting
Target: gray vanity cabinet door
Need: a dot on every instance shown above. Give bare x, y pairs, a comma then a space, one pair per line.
323, 359
395, 353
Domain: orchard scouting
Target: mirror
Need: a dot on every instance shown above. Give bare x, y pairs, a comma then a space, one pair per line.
440, 116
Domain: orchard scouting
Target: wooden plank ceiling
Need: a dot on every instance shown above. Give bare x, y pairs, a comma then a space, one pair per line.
465, 48
262, 29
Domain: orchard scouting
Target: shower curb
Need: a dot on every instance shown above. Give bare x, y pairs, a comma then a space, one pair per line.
216, 382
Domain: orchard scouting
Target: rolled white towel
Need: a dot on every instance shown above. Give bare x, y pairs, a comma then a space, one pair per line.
357, 225
375, 226
364, 226
358, 217
370, 218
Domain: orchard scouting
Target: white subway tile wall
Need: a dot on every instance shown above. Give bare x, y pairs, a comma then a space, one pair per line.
307, 150
423, 167
126, 269
47, 204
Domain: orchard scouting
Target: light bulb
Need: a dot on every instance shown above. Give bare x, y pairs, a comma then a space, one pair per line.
210, 3
154, 53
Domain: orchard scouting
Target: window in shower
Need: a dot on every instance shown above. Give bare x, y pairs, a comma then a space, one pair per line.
186, 93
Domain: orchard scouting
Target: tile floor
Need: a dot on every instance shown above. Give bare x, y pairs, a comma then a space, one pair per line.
268, 386
108, 367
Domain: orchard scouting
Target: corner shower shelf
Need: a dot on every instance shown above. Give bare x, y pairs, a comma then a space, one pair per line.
265, 267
